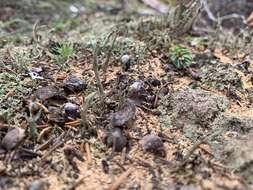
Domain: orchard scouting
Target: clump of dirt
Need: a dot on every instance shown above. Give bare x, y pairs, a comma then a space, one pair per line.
193, 108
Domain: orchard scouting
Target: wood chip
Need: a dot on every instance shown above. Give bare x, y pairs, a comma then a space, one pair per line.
74, 123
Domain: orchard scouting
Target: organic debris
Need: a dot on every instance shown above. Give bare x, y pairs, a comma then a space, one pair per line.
115, 95
46, 93
125, 117
116, 140
13, 138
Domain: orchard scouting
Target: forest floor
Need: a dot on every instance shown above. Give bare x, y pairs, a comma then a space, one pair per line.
93, 98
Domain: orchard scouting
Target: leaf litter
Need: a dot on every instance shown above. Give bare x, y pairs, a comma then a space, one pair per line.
155, 127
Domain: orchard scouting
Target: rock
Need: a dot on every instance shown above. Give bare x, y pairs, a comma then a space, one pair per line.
73, 84
116, 136
126, 116
137, 92
153, 143
38, 185
12, 138
154, 82
126, 62
71, 110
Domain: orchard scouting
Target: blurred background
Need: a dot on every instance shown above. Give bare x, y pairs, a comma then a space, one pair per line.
17, 15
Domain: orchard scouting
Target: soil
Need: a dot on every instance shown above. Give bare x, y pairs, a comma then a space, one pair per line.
91, 99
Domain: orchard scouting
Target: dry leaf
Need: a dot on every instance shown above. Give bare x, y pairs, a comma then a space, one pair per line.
12, 138
47, 92
153, 143
223, 58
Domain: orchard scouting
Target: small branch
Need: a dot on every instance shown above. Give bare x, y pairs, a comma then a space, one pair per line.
195, 147
109, 54
84, 110
120, 179
59, 142
36, 37
95, 69
76, 184
219, 20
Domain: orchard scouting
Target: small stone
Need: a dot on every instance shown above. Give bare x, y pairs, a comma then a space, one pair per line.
137, 92
126, 61
154, 82
153, 144
38, 185
73, 84
71, 110
137, 86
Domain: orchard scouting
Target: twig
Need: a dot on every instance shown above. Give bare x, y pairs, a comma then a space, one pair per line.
73, 123
221, 19
42, 133
195, 147
120, 165
87, 148
57, 145
76, 183
84, 120
45, 145
52, 150
42, 107
36, 37
109, 54
95, 69
120, 179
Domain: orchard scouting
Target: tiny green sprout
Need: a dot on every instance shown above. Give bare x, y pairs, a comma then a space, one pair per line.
181, 57
64, 52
